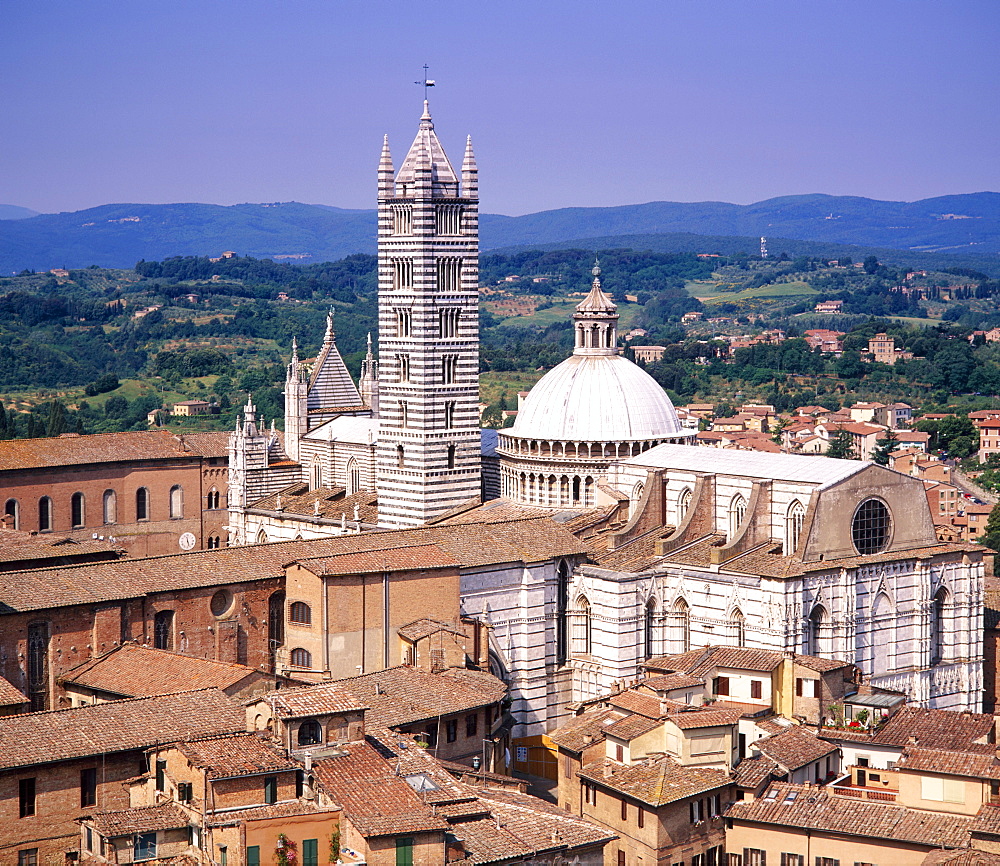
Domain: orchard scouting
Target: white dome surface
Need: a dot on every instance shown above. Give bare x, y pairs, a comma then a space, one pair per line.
597, 398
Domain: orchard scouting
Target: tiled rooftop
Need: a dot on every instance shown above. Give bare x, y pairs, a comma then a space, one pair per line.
18, 546
405, 695
794, 748
242, 754
934, 729
117, 726
281, 809
979, 763
424, 556
145, 445
423, 628
655, 780
702, 660
477, 544
10, 695
318, 700
135, 670
143, 819
585, 729
816, 808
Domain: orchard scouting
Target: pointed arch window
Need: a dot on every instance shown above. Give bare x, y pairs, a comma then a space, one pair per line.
12, 511
683, 504
213, 499
583, 634
737, 511
937, 626
38, 665
317, 476
353, 476
819, 628
739, 628
649, 630
109, 506
261, 537
793, 526
562, 603
680, 626
163, 630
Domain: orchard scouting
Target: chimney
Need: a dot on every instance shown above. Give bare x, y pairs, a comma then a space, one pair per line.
607, 771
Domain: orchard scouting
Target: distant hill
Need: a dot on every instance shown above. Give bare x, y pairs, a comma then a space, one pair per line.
118, 235
15, 212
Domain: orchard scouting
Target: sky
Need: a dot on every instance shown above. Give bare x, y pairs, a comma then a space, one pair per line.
568, 103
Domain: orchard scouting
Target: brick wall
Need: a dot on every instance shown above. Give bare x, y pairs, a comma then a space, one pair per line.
52, 829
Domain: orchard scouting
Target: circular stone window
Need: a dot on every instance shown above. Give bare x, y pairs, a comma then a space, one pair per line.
871, 527
222, 601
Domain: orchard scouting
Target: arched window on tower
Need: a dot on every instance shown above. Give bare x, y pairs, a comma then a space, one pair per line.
939, 649
793, 527
213, 499
163, 630
680, 626
737, 511
649, 630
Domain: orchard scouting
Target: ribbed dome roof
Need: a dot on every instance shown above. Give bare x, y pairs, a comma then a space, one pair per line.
597, 398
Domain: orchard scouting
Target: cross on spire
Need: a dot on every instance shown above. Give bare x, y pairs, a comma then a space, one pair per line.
426, 82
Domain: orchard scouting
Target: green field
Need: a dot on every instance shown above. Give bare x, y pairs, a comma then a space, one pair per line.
494, 385
708, 292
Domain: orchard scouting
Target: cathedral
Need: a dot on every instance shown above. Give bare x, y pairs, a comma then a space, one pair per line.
689, 546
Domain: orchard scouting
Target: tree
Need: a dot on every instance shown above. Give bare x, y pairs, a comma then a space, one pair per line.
842, 447
57, 419
884, 447
871, 264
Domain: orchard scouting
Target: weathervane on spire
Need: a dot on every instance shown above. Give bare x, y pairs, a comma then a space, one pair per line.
426, 82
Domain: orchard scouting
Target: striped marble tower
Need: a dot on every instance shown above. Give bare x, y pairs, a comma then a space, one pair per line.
428, 295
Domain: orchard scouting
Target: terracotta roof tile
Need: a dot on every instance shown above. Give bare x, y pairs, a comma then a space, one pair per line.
752, 772
284, 809
405, 695
656, 780
965, 857
668, 682
377, 561
375, 800
701, 661
134, 670
9, 695
987, 820
327, 503
143, 819
73, 450
315, 700
18, 546
477, 544
585, 729
631, 727
794, 748
117, 726
817, 808
423, 628
934, 729
980, 764
242, 754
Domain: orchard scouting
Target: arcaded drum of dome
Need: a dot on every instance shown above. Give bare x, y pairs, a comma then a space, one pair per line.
596, 398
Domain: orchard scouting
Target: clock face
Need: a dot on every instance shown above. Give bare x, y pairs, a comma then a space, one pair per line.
187, 541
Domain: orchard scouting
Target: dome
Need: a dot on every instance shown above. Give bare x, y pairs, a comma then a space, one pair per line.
597, 398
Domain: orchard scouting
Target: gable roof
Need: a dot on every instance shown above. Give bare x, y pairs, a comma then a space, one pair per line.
585, 729
656, 780
10, 695
142, 819
404, 695
330, 385
794, 748
117, 726
242, 754
134, 670
934, 729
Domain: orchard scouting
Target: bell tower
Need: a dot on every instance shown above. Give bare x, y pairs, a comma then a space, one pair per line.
428, 366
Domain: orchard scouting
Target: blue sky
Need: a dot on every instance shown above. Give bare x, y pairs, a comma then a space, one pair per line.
569, 103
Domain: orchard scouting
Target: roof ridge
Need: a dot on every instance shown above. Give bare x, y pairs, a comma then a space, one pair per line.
112, 703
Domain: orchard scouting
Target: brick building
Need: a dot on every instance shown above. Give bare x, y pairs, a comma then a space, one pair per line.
56, 767
151, 491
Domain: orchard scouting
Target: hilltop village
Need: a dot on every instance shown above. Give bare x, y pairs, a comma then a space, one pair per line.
615, 632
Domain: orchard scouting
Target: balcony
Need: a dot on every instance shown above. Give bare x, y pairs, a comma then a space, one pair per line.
881, 794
